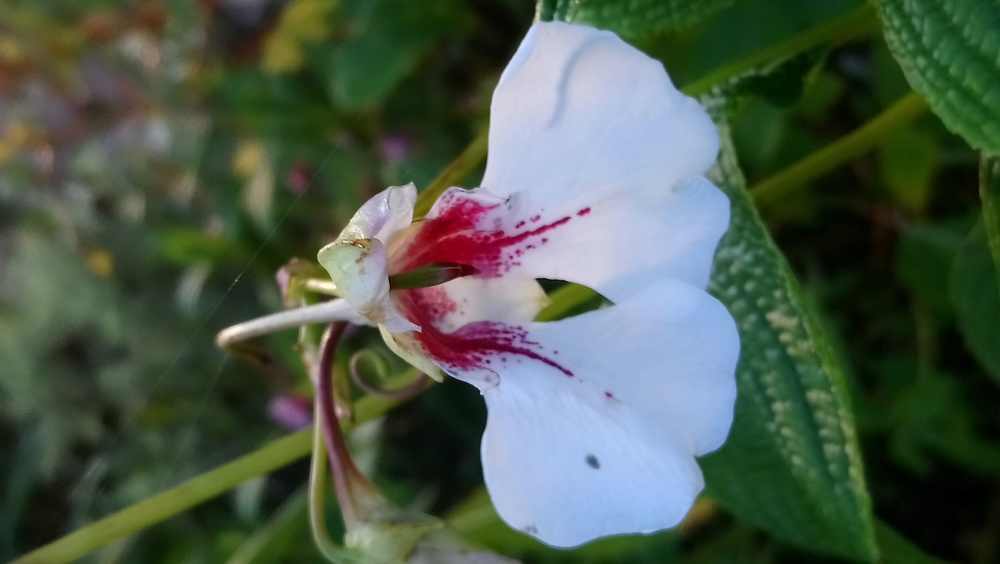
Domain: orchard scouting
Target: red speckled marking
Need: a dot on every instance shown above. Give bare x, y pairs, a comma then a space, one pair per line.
474, 346
468, 232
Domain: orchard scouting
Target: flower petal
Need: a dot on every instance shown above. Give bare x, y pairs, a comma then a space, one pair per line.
462, 301
358, 262
582, 123
382, 216
626, 242
615, 245
605, 442
578, 109
360, 270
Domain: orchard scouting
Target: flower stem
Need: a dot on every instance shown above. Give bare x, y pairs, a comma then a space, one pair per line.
772, 189
453, 173
171, 502
341, 463
164, 505
317, 494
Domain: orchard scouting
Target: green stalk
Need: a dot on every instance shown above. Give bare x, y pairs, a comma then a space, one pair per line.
164, 505
317, 495
465, 163
861, 140
161, 506
852, 25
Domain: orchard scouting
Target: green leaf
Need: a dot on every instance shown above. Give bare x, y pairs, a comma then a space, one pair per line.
950, 53
780, 82
975, 294
388, 41
791, 465
989, 192
637, 18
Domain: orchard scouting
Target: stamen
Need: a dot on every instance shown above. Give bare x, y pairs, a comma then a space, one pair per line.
432, 274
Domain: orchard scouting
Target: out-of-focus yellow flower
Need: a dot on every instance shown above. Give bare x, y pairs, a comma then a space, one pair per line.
100, 262
17, 137
248, 158
11, 51
301, 21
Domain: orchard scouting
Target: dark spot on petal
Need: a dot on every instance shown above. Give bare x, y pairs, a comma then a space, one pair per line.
593, 462
531, 530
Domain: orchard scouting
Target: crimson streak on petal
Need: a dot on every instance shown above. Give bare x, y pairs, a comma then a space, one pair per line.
472, 347
470, 232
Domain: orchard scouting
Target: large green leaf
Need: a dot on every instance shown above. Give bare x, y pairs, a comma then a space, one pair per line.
950, 53
636, 18
792, 464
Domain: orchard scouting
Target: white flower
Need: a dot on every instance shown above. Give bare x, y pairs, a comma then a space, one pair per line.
593, 177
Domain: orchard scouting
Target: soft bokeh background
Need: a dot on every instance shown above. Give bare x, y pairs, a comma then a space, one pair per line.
159, 161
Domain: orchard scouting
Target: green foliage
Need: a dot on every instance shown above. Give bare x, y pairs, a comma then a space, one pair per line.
907, 164
950, 52
792, 463
989, 193
636, 18
387, 42
780, 82
975, 293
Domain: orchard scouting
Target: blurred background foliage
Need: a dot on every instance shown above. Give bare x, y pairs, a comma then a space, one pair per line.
160, 161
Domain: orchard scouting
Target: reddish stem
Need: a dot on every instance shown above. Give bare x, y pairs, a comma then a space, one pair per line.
345, 473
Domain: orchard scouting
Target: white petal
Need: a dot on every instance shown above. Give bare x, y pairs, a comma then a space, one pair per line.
610, 449
579, 108
460, 305
382, 216
616, 244
358, 262
360, 271
625, 242
470, 299
583, 121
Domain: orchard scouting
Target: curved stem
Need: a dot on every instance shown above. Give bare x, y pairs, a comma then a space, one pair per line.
407, 391
341, 463
859, 141
317, 493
